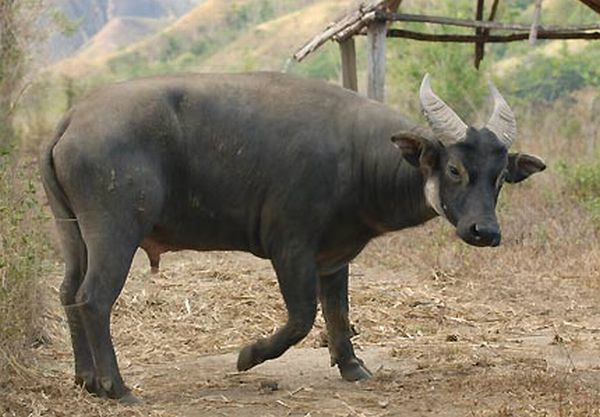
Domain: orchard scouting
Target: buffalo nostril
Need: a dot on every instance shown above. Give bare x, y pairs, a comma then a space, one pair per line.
488, 234
475, 231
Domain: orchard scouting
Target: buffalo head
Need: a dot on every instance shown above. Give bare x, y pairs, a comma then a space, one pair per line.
465, 167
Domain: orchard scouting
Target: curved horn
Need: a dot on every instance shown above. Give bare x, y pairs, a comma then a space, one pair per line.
441, 118
502, 121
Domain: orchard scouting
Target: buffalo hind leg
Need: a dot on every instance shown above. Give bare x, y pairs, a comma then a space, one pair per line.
333, 293
297, 277
75, 257
108, 265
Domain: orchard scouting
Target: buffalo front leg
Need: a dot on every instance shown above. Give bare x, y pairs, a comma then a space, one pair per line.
333, 293
297, 277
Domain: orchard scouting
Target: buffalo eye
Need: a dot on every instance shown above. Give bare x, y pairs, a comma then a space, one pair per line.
453, 172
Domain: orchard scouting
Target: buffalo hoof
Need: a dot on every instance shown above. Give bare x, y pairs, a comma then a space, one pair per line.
87, 381
105, 389
130, 399
247, 358
354, 370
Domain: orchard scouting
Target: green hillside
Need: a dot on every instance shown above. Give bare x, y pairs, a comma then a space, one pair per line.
218, 36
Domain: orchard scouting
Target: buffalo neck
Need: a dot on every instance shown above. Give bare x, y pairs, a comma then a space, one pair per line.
392, 191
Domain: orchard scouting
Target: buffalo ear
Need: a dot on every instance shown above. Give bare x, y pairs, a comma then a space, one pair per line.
418, 150
522, 165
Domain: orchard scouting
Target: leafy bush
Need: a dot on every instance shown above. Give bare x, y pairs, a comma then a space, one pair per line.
583, 180
174, 45
200, 46
22, 250
548, 78
324, 65
126, 62
454, 77
239, 17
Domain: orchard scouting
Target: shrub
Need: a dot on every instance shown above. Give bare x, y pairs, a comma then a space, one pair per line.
324, 65
583, 183
548, 78
22, 250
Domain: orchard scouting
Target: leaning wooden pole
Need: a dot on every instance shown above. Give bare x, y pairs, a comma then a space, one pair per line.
376, 33
348, 55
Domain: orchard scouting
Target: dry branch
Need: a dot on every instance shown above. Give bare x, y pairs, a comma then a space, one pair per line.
430, 37
346, 27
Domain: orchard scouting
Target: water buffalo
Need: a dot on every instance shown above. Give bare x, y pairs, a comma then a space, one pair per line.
298, 171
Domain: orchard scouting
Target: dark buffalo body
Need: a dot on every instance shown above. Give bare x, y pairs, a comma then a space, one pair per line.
242, 162
297, 171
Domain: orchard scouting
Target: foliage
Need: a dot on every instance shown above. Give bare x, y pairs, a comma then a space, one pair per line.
21, 233
548, 78
132, 65
239, 16
566, 13
266, 10
17, 32
453, 75
65, 25
451, 67
324, 65
583, 180
173, 47
22, 250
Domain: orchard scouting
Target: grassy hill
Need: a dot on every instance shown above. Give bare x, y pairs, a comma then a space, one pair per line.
215, 36
269, 45
116, 34
86, 19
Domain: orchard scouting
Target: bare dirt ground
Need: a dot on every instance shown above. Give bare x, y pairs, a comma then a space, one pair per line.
448, 330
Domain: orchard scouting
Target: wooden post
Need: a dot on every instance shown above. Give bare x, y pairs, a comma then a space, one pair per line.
376, 33
537, 11
479, 46
593, 127
348, 53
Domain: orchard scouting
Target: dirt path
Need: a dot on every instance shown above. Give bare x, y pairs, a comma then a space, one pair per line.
300, 384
